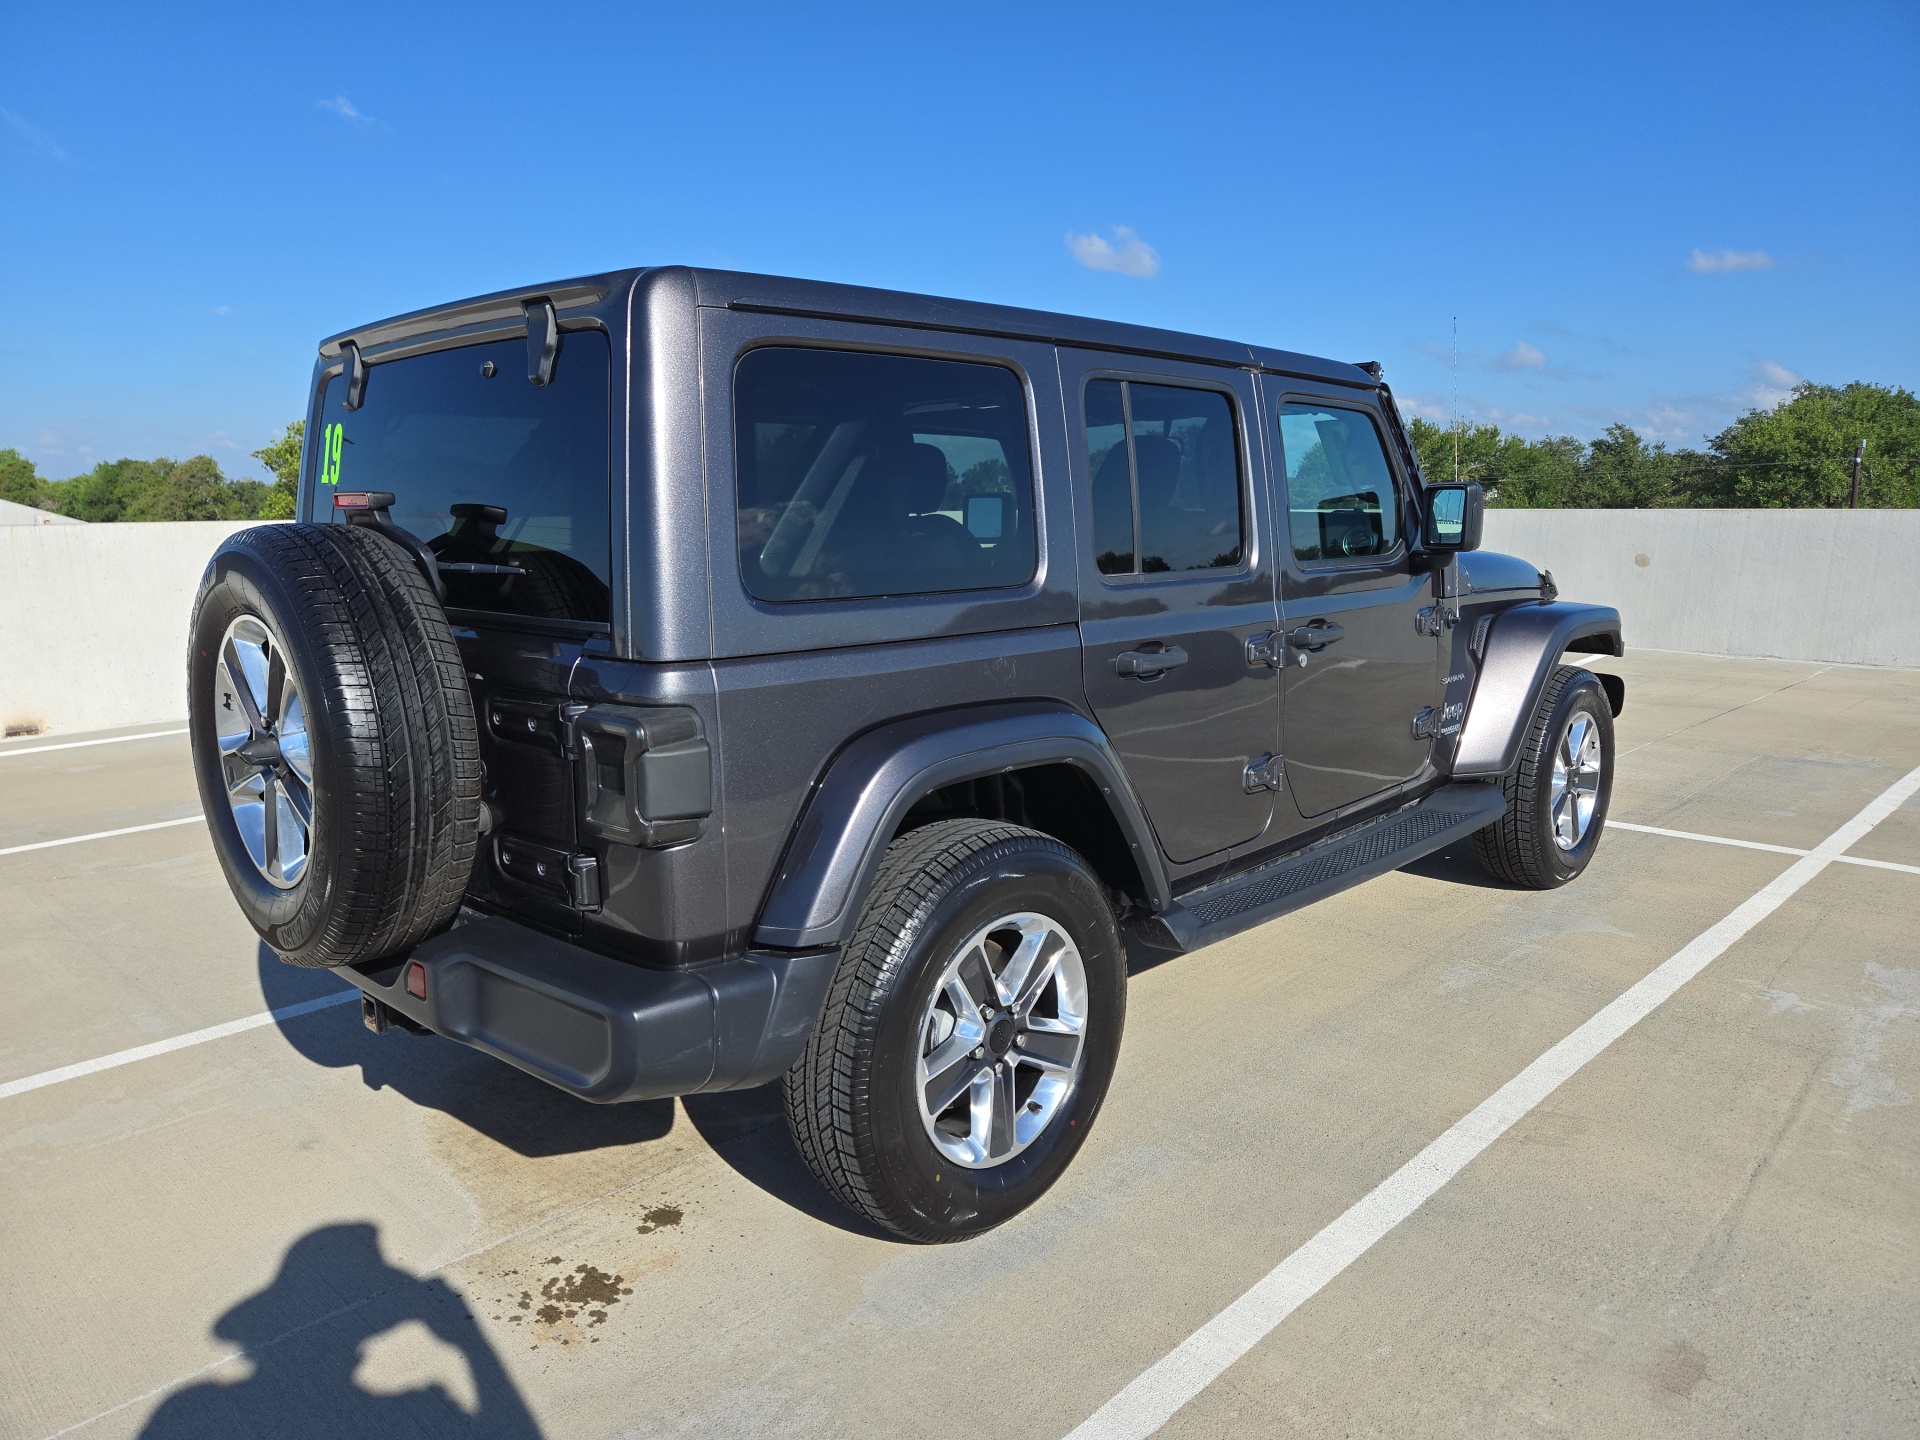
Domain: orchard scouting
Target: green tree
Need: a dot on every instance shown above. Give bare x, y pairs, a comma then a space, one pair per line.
1623, 472
192, 489
1800, 453
1512, 470
20, 482
282, 457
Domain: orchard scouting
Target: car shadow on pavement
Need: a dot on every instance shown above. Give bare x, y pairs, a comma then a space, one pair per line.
748, 1130
307, 1337
1458, 865
510, 1107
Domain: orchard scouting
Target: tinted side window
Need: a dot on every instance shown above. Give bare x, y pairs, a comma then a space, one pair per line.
866, 475
507, 482
1167, 455
1112, 471
1340, 496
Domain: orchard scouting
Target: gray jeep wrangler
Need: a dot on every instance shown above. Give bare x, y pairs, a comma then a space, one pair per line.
679, 681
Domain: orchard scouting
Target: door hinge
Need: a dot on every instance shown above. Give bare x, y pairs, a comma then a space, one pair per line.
1266, 772
1426, 723
1432, 619
1267, 647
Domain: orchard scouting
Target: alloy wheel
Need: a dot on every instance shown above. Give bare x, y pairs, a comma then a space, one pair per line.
1001, 1040
266, 758
1576, 780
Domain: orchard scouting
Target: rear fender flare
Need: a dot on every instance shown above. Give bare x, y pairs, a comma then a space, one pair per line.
866, 791
1523, 647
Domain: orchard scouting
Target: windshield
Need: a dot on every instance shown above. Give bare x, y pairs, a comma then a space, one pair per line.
507, 482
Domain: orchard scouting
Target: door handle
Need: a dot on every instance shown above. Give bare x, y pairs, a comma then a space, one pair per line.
1146, 663
1316, 636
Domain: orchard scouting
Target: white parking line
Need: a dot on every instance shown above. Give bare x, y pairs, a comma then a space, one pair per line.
1153, 1397
178, 1042
1756, 845
80, 744
100, 835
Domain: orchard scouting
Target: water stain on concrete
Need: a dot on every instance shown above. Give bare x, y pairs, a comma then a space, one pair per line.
566, 1304
661, 1217
1679, 1369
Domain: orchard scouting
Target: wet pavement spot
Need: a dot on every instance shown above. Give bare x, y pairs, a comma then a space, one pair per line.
661, 1217
564, 1306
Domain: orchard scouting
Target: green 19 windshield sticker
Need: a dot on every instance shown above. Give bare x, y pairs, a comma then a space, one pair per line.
331, 440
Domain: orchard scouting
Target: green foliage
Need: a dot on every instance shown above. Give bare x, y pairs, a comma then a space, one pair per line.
21, 483
1799, 453
282, 457
160, 490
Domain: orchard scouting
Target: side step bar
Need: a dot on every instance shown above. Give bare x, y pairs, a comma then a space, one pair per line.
1203, 916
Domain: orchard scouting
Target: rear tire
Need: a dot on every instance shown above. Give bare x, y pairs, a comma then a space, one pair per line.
856, 1099
382, 783
1556, 806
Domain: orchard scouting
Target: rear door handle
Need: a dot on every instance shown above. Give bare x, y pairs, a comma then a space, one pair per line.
1316, 636
1149, 662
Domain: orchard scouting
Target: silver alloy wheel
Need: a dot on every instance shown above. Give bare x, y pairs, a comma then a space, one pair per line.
1001, 1040
1576, 780
265, 757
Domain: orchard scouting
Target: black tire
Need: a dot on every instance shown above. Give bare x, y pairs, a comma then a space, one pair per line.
1520, 847
395, 753
850, 1097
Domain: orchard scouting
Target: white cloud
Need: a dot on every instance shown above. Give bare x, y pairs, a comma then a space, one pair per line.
344, 108
35, 137
1727, 262
1772, 383
1661, 421
1426, 407
1521, 357
223, 309
1125, 254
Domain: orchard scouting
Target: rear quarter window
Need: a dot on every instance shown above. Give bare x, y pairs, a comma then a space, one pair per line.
867, 475
508, 483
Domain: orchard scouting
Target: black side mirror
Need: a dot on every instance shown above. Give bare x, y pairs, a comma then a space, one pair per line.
1455, 515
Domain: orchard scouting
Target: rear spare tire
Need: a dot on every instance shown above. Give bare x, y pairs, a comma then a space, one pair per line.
334, 741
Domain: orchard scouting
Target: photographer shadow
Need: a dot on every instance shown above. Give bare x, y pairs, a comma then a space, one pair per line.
307, 1336
510, 1107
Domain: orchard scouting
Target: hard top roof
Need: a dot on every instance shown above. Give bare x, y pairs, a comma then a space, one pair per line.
779, 295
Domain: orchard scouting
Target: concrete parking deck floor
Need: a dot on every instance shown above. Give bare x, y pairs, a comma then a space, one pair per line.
1713, 1228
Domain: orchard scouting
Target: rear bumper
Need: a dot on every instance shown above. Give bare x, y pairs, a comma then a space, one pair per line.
601, 1029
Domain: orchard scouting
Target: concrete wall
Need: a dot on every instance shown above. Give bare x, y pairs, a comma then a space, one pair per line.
1830, 585
93, 618
93, 621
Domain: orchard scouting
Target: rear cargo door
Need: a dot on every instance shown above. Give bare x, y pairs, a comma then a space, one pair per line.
509, 484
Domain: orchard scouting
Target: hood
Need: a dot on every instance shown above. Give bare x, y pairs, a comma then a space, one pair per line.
1482, 570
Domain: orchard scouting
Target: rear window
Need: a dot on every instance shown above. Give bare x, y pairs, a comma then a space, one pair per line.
867, 475
508, 483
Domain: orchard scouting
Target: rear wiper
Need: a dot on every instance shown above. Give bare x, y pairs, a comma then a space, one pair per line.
473, 567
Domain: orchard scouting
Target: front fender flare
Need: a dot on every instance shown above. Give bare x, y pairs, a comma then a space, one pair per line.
1523, 647
865, 792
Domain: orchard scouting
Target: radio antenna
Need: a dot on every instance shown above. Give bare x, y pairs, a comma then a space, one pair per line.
1456, 399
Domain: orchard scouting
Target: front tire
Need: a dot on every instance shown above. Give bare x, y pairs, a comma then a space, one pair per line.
969, 1035
1557, 797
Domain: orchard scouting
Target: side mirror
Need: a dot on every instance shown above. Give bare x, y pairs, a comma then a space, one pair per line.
1455, 514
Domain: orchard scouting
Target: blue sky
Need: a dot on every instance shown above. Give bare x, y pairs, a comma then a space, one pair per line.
1658, 214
